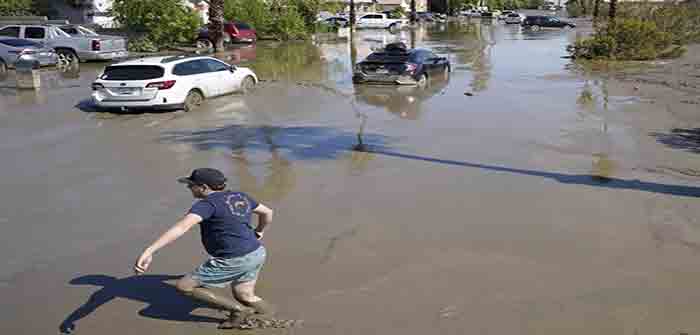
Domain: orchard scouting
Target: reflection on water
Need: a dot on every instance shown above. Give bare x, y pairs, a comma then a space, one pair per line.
279, 177
405, 102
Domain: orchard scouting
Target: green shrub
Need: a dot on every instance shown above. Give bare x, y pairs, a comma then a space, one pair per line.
16, 7
282, 20
628, 39
681, 21
397, 13
290, 25
574, 9
165, 22
143, 44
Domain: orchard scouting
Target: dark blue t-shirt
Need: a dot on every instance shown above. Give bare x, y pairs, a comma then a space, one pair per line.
225, 229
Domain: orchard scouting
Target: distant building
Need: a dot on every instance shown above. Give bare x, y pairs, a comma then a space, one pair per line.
361, 6
99, 11
385, 5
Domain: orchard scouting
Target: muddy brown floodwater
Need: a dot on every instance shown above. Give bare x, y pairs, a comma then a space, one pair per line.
552, 200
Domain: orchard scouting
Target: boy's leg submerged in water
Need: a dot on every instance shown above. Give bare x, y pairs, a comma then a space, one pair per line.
245, 293
191, 288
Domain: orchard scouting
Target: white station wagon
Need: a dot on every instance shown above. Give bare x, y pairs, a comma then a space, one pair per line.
162, 83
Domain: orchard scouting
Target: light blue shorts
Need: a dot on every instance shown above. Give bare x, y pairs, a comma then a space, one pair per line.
219, 272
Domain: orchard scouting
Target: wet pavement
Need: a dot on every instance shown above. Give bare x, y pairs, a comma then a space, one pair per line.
549, 199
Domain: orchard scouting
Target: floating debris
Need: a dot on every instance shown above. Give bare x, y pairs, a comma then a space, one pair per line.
263, 322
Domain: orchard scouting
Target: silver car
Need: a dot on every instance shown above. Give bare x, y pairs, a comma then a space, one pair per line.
12, 48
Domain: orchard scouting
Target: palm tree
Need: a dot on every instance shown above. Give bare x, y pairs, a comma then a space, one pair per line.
216, 24
413, 11
613, 11
596, 11
352, 14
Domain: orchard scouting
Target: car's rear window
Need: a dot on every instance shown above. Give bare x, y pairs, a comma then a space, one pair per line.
133, 72
393, 56
20, 43
513, 15
241, 25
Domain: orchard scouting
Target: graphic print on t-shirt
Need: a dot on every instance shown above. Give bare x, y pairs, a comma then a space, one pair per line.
238, 204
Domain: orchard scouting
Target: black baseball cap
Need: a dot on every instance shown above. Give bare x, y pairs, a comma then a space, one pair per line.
204, 176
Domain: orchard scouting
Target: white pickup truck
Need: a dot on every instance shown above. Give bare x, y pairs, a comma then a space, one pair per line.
81, 48
378, 20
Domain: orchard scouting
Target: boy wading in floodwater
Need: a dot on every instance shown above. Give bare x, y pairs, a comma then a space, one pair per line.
236, 252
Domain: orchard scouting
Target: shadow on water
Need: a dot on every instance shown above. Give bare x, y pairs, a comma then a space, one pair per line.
303, 143
87, 106
164, 302
679, 138
582, 179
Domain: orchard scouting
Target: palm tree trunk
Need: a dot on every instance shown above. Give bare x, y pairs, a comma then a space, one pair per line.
413, 11
352, 14
612, 14
216, 24
596, 11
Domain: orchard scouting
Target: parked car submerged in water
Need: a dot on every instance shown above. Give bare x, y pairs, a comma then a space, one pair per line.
540, 21
398, 65
234, 32
378, 20
162, 83
81, 48
12, 48
514, 18
336, 21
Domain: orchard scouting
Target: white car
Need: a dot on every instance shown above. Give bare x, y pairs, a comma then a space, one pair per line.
179, 82
514, 18
377, 20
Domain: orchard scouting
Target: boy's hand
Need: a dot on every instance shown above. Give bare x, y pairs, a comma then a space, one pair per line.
143, 262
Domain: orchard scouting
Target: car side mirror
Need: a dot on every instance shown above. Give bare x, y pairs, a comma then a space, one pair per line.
232, 68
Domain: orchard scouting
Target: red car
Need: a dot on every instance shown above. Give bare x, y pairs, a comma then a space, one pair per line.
234, 32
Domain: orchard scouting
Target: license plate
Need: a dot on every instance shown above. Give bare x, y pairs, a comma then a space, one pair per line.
126, 91
382, 71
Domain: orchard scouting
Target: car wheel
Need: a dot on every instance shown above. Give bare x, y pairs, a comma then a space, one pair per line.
248, 84
67, 56
193, 100
535, 27
204, 44
422, 80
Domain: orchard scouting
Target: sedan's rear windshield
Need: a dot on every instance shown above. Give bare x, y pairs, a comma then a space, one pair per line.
20, 43
394, 56
133, 72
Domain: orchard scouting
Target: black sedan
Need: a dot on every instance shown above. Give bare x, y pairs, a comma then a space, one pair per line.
537, 22
398, 65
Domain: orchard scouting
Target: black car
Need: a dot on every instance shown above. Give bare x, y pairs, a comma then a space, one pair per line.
397, 64
336, 21
537, 22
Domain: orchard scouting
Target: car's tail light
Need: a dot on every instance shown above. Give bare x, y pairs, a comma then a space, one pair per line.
96, 45
161, 85
411, 68
97, 86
